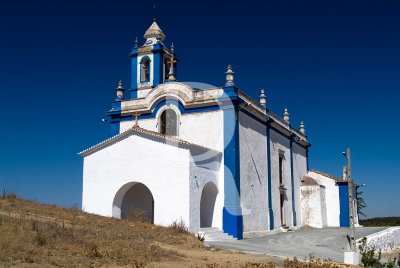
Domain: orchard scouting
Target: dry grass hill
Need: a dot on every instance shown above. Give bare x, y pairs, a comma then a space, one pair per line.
38, 235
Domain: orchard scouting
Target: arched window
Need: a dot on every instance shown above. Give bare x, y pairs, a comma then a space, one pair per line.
169, 123
145, 69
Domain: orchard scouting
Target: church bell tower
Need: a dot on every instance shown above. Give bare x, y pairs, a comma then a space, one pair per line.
152, 63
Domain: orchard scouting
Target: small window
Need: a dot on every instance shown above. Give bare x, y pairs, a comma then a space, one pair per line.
280, 169
169, 123
145, 69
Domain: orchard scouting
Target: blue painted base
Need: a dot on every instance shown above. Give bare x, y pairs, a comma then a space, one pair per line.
294, 218
271, 218
232, 222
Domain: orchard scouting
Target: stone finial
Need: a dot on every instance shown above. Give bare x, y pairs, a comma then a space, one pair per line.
229, 75
302, 127
263, 98
345, 173
136, 44
172, 47
154, 32
286, 116
120, 90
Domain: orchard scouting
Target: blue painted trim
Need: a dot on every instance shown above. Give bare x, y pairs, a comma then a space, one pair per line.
134, 84
116, 106
271, 211
158, 69
292, 181
115, 128
344, 205
140, 66
116, 115
232, 219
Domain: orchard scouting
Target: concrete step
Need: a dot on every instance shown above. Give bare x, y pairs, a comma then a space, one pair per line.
285, 228
215, 234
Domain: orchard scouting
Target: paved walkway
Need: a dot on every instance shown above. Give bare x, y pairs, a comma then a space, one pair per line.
322, 243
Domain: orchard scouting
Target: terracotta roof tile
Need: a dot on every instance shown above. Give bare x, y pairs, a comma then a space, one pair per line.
132, 130
327, 175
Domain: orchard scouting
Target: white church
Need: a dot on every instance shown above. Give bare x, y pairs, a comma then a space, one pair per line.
212, 157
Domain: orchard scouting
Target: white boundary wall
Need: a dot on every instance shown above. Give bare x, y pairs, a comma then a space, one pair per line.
385, 240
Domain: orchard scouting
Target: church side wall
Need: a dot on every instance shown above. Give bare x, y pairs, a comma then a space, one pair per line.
137, 159
253, 175
299, 170
281, 145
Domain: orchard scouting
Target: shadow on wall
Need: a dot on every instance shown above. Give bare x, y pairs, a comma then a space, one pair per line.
207, 204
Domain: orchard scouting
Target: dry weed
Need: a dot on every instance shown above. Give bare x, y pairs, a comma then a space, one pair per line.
311, 263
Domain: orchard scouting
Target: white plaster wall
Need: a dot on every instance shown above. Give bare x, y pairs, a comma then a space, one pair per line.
148, 123
202, 128
205, 129
202, 171
332, 198
311, 209
323, 206
299, 170
253, 175
386, 240
163, 168
279, 142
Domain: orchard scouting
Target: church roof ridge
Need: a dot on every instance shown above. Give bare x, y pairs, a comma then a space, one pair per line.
131, 131
266, 112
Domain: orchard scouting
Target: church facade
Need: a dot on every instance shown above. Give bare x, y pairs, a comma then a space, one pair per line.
212, 157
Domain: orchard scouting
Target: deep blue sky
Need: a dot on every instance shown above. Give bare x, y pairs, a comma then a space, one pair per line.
333, 64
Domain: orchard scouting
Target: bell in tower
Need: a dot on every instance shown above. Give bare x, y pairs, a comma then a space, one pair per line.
152, 63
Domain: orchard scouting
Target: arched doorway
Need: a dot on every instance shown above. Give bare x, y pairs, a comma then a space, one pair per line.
134, 198
207, 204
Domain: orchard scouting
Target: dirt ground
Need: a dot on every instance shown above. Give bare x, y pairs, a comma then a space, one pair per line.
214, 257
392, 254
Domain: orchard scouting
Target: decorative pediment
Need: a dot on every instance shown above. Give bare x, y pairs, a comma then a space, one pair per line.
181, 92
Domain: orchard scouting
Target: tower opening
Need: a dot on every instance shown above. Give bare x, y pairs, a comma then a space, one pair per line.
145, 70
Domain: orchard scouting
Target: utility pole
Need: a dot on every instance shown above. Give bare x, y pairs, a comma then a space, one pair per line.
351, 207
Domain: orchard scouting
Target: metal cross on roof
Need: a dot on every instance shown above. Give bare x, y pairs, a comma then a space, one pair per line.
136, 114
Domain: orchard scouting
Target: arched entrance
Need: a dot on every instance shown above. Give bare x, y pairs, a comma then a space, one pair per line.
134, 199
207, 204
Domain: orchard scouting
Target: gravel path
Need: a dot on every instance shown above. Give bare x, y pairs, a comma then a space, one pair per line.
322, 243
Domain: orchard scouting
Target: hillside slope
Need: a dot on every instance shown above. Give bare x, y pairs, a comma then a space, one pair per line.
47, 235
